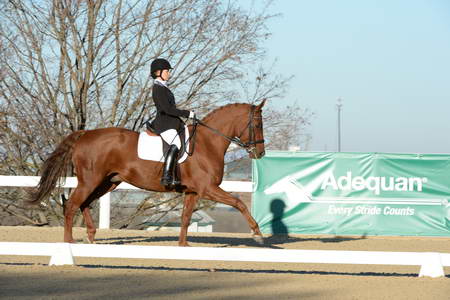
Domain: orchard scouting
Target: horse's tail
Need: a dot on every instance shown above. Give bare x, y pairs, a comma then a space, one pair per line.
55, 167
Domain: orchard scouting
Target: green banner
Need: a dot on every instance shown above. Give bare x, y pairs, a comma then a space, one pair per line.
352, 193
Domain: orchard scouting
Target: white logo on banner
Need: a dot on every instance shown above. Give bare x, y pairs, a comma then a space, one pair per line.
292, 188
296, 193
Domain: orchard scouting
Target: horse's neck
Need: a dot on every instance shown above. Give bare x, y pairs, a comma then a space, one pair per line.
225, 126
224, 120
219, 142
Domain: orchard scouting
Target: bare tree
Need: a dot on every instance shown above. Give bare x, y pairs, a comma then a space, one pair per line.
75, 64
284, 125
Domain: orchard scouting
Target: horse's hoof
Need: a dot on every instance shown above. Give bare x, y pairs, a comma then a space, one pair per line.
184, 244
89, 241
258, 239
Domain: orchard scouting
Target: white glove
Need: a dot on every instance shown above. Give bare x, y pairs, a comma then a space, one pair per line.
191, 115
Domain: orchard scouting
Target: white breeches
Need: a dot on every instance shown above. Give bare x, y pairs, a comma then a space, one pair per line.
171, 137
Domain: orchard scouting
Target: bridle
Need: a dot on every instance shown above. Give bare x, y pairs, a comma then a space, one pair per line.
249, 146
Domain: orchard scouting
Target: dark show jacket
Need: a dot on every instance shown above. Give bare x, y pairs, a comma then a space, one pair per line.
167, 114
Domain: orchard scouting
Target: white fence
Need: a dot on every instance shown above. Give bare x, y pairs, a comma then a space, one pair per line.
431, 263
62, 253
105, 201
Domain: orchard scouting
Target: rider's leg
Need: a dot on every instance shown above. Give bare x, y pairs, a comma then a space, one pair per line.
169, 172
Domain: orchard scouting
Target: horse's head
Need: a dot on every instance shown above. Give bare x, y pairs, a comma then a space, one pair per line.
239, 123
252, 135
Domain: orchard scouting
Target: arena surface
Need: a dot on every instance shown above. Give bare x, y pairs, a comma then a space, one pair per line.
25, 277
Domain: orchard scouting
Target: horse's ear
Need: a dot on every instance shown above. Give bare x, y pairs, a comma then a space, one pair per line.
260, 106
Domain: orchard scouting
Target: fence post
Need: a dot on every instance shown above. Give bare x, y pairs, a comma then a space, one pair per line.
431, 265
62, 255
105, 208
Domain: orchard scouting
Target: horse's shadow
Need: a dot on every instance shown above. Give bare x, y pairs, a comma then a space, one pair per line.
217, 241
273, 241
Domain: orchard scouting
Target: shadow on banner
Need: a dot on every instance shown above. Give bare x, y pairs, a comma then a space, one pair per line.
277, 207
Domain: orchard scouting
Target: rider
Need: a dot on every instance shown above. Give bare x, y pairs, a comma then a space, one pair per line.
167, 122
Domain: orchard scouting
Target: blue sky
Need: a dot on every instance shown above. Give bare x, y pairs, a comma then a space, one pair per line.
388, 59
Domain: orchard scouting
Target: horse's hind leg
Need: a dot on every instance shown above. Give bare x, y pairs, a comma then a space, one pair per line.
88, 182
79, 195
104, 188
90, 226
215, 193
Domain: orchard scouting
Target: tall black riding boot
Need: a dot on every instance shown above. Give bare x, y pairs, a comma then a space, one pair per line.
169, 174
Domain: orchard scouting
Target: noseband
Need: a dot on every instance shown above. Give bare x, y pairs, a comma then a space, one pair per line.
248, 146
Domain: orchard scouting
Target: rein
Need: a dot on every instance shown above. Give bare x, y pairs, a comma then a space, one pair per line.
248, 146
234, 140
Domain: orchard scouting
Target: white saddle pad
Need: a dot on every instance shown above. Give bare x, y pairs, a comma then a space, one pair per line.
151, 147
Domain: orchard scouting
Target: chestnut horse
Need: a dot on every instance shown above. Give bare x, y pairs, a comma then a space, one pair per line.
103, 158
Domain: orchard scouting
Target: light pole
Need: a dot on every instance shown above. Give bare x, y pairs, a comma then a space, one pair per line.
339, 105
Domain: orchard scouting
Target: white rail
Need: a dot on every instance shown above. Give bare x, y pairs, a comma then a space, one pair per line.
105, 201
62, 254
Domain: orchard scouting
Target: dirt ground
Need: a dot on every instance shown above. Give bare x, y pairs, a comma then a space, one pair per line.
25, 277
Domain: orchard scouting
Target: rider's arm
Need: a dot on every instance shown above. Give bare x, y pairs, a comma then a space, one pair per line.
161, 98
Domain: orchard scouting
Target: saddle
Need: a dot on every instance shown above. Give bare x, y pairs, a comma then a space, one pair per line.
152, 147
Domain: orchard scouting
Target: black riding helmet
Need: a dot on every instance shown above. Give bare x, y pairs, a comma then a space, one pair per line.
159, 64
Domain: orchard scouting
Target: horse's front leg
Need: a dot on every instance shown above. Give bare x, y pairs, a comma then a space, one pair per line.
215, 193
190, 199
